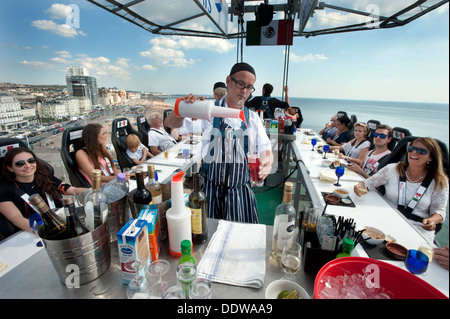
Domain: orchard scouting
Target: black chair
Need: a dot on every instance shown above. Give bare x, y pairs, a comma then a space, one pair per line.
166, 112
398, 134
7, 143
70, 144
372, 125
143, 127
121, 128
341, 113
300, 116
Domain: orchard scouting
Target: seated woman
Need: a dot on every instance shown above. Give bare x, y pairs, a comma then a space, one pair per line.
23, 175
341, 136
422, 204
356, 150
94, 154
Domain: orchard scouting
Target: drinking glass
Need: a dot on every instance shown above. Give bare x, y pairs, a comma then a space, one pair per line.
416, 262
174, 292
291, 259
186, 153
127, 171
326, 148
138, 287
158, 268
253, 165
339, 172
428, 250
362, 189
200, 289
313, 142
166, 152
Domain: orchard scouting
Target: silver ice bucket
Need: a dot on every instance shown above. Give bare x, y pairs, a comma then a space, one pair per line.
87, 256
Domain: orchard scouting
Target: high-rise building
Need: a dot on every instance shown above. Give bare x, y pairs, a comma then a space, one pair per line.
80, 84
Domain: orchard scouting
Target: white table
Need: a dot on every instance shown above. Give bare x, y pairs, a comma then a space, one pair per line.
371, 210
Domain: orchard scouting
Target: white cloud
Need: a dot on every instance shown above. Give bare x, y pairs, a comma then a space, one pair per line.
58, 11
307, 58
38, 64
149, 67
59, 29
64, 54
170, 51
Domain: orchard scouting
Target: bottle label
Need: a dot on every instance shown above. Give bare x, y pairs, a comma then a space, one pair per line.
285, 233
196, 221
157, 199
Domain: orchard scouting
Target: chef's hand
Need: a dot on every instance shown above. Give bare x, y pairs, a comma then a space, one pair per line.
190, 98
265, 164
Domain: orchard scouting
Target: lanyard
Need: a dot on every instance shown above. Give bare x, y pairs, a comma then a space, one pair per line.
408, 208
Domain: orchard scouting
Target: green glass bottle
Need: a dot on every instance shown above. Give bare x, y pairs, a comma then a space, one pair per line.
347, 247
186, 256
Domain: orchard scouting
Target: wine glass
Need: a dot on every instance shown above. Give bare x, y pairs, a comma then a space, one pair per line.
362, 189
416, 262
138, 287
313, 142
427, 249
326, 148
291, 259
186, 153
339, 172
158, 268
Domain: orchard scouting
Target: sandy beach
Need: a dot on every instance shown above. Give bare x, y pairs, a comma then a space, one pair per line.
52, 154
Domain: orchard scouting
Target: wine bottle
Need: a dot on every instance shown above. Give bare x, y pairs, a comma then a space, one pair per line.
74, 227
284, 222
142, 195
198, 206
53, 228
96, 202
153, 186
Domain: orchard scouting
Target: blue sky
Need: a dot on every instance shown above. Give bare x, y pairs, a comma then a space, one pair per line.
409, 63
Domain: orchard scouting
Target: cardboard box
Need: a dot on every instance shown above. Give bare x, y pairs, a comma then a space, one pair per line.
132, 243
150, 215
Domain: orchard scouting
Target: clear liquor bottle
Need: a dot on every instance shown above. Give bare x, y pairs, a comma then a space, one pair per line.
96, 202
284, 222
153, 185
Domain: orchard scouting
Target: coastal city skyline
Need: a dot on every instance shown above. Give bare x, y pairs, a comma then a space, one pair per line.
408, 63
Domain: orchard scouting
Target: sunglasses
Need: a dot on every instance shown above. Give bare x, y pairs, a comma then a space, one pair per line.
379, 135
31, 160
419, 150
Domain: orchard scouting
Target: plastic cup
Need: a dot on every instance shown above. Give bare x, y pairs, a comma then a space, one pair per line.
253, 165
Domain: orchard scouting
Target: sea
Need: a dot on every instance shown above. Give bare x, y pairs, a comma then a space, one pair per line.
420, 118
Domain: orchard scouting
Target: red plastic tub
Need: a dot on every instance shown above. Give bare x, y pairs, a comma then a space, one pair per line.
401, 283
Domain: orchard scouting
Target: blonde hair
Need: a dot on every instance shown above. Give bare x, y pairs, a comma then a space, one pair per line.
133, 141
364, 127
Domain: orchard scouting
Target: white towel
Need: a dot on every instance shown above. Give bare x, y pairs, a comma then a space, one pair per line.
235, 255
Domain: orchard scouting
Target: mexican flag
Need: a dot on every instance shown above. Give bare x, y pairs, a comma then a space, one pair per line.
276, 33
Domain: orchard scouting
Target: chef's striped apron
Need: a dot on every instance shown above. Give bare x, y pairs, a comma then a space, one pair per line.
227, 176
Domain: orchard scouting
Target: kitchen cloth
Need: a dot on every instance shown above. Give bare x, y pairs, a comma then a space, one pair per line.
235, 255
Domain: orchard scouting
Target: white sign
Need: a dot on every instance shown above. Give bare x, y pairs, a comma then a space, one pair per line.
217, 12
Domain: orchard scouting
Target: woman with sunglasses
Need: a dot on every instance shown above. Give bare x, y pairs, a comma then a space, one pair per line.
94, 154
405, 182
356, 150
24, 175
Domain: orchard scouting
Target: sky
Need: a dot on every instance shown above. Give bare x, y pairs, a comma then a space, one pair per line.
408, 63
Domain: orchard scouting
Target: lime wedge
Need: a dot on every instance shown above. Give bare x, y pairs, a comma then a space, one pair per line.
283, 294
292, 295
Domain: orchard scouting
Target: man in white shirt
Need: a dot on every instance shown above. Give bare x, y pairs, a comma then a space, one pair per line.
225, 145
381, 139
158, 138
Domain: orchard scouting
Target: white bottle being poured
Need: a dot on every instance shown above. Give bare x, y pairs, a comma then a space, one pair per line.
178, 217
205, 110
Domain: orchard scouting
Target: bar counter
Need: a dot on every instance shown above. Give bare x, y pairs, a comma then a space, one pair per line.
35, 277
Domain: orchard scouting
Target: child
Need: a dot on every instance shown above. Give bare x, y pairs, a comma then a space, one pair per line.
136, 150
